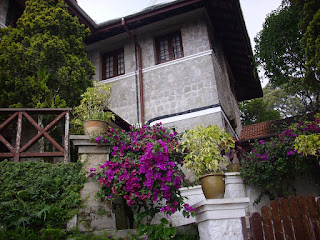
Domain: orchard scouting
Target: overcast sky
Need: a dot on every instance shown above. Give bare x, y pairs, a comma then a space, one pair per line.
254, 11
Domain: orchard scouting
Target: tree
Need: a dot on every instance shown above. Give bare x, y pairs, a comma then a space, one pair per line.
43, 62
256, 111
310, 26
276, 103
279, 50
286, 104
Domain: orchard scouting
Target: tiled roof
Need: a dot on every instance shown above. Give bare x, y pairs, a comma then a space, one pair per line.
266, 130
256, 130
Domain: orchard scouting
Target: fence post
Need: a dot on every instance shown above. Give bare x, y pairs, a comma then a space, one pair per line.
66, 138
18, 137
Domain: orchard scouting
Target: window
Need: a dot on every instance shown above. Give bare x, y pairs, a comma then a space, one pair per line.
169, 47
113, 64
15, 10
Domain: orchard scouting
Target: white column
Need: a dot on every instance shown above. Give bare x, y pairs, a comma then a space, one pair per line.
220, 219
194, 195
234, 186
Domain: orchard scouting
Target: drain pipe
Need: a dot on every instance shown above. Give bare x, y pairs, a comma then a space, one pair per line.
228, 121
133, 39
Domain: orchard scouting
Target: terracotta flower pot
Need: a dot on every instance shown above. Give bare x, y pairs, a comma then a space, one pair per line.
233, 167
213, 185
95, 127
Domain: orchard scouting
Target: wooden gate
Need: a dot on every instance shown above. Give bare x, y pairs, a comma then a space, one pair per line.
17, 151
292, 218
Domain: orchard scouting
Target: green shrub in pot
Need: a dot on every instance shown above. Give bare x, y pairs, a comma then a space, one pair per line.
205, 147
93, 105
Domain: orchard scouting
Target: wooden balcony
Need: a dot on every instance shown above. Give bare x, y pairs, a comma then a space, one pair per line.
16, 119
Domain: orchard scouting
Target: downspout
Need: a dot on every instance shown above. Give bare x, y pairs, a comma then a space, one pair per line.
133, 39
228, 122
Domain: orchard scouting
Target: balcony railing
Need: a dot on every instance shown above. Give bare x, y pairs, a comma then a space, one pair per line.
19, 150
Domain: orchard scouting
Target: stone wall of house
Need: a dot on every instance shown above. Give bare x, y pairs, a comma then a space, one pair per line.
180, 86
3, 12
174, 87
227, 98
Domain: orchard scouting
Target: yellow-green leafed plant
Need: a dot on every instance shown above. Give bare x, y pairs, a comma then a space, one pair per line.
205, 147
94, 104
309, 144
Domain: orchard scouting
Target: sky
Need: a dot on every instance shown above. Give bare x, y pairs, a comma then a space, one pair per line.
254, 12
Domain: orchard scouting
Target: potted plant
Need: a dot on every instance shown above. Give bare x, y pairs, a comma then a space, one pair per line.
92, 109
205, 147
235, 155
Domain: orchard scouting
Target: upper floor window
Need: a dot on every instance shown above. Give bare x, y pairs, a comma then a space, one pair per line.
112, 64
15, 10
169, 47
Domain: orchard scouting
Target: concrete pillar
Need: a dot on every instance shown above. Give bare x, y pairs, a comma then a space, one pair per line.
96, 215
194, 195
220, 219
234, 185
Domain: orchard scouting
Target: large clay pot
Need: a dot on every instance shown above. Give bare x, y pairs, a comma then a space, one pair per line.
233, 167
95, 127
213, 185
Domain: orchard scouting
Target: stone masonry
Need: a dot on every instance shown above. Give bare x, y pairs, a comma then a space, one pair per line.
96, 215
199, 79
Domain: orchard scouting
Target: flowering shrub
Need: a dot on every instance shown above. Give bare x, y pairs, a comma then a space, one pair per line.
309, 144
144, 169
272, 166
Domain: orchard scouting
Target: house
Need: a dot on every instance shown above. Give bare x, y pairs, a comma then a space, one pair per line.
183, 63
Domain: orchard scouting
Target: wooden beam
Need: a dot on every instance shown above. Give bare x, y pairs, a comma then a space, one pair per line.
43, 131
33, 154
8, 120
42, 154
7, 144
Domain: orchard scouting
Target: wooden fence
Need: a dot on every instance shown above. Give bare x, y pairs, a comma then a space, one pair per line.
16, 150
292, 218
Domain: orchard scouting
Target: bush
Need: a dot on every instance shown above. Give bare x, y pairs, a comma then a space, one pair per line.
273, 166
38, 199
205, 148
144, 170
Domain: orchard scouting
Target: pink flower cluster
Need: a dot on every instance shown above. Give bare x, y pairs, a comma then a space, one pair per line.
144, 167
283, 143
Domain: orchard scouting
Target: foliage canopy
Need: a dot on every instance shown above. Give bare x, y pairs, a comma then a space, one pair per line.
256, 111
286, 48
276, 103
43, 62
309, 11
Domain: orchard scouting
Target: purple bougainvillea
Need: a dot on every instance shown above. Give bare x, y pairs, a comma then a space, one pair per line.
274, 164
144, 169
